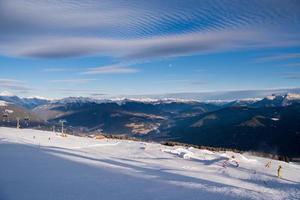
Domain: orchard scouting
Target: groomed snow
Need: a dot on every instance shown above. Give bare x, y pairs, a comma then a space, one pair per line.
43, 165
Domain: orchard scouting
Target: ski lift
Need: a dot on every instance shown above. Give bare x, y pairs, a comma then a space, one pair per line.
27, 119
5, 117
18, 122
62, 127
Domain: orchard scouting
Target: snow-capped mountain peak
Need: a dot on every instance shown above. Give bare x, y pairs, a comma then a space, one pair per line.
7, 94
249, 100
118, 100
271, 97
39, 97
292, 96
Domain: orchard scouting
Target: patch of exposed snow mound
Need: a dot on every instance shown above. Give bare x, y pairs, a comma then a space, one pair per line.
247, 159
181, 152
225, 155
205, 151
191, 153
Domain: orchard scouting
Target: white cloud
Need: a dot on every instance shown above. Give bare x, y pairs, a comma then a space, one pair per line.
111, 69
56, 69
74, 81
292, 65
78, 92
143, 29
16, 85
279, 57
176, 45
292, 76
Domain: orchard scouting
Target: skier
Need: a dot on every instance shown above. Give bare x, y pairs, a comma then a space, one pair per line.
279, 171
268, 164
225, 163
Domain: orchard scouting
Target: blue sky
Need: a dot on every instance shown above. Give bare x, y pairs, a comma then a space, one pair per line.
114, 48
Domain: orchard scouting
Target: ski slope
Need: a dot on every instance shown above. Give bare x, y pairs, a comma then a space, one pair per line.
37, 165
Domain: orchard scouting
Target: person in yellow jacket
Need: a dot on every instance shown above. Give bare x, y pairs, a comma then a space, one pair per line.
279, 171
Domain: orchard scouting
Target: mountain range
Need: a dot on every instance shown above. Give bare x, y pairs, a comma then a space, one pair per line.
269, 124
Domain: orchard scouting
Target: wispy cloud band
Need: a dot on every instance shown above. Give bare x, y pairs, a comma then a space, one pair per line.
176, 45
279, 57
72, 81
139, 29
111, 69
15, 85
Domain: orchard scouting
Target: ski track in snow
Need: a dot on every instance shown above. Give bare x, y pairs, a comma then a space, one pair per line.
43, 165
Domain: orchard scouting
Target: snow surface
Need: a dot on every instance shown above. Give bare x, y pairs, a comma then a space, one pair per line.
43, 165
291, 96
8, 111
39, 97
120, 100
271, 97
3, 103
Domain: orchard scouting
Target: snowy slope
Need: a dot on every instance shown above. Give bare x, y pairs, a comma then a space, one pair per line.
61, 168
